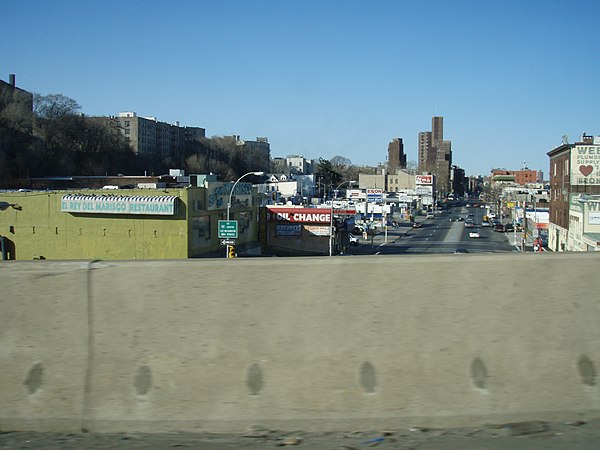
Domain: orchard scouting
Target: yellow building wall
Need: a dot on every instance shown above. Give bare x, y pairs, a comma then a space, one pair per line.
203, 224
37, 228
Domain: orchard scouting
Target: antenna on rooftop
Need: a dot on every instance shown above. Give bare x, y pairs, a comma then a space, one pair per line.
523, 165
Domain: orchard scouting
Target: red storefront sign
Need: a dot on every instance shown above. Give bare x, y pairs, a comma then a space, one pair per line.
302, 215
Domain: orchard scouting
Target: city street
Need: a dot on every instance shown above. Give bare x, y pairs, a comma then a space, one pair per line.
443, 234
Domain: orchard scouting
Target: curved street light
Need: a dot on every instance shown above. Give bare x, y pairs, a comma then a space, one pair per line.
235, 184
229, 201
331, 215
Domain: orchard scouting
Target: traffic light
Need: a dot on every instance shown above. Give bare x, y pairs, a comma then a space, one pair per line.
231, 253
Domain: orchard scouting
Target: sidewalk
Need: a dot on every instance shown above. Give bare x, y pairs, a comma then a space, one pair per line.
516, 239
370, 245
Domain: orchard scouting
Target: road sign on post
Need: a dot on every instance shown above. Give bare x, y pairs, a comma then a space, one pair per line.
228, 229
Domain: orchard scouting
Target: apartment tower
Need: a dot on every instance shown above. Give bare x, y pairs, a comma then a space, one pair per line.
396, 156
435, 156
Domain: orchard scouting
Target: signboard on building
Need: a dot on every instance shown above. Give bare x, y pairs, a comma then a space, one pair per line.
162, 205
374, 195
301, 215
288, 230
585, 165
593, 207
354, 194
424, 179
316, 230
218, 192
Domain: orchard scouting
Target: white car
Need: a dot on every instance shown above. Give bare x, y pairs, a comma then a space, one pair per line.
474, 234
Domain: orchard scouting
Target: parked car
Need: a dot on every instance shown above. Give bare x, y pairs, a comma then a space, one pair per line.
509, 228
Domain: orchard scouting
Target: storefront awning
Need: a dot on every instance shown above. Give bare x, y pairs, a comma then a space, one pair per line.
119, 204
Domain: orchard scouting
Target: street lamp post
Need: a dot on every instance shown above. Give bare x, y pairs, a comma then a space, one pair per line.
231, 194
331, 215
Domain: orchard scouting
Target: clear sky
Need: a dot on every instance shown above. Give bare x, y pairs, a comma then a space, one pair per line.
321, 78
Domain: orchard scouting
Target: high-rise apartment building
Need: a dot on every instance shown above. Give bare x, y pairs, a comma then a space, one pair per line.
424, 146
396, 156
435, 155
147, 135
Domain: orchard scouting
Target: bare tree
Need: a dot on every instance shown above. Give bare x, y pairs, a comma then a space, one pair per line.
54, 106
195, 163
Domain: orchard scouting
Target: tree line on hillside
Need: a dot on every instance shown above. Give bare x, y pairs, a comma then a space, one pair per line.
56, 139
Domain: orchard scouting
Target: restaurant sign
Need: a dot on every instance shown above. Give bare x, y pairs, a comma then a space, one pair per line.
119, 204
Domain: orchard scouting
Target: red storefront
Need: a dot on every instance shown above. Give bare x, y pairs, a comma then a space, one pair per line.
298, 230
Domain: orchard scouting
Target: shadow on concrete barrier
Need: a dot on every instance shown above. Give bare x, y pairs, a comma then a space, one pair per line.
302, 343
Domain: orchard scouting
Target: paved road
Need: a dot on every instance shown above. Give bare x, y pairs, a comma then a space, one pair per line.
571, 435
439, 235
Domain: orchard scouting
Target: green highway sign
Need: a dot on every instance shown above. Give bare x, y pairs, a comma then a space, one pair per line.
228, 229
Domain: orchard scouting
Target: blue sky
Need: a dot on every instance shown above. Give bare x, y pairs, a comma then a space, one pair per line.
325, 78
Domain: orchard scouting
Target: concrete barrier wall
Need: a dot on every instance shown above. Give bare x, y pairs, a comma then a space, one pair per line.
43, 345
300, 343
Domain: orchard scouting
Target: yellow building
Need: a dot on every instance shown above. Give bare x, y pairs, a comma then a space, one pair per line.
124, 224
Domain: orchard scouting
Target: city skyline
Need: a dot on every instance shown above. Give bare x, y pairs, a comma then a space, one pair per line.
321, 80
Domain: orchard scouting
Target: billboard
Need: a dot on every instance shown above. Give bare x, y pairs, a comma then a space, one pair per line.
423, 179
585, 165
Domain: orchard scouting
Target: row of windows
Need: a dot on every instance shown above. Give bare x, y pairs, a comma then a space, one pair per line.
565, 168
